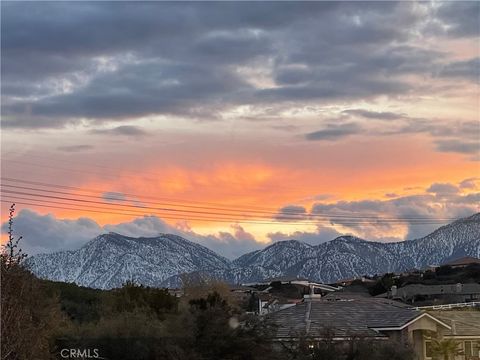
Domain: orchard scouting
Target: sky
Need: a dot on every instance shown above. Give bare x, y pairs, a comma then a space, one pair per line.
238, 124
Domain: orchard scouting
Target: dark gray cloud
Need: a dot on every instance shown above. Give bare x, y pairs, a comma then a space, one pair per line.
333, 86
25, 120
114, 197
293, 75
468, 69
448, 136
470, 183
460, 17
291, 212
134, 59
378, 115
334, 132
124, 130
443, 189
458, 146
75, 148
140, 89
46, 233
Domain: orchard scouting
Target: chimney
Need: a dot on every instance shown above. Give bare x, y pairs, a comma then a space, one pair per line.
458, 288
393, 290
454, 327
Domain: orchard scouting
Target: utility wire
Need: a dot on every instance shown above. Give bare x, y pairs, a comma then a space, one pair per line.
48, 204
251, 213
108, 208
284, 213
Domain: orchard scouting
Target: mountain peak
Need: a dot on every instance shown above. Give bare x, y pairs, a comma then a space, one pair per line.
348, 238
288, 243
111, 259
474, 217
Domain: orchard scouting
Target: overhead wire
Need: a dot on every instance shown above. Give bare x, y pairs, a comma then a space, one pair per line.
285, 214
41, 202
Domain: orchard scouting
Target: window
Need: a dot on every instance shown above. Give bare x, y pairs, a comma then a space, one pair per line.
472, 349
428, 349
468, 348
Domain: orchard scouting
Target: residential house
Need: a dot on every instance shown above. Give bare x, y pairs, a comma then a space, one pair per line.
268, 303
462, 262
375, 319
464, 328
279, 293
432, 294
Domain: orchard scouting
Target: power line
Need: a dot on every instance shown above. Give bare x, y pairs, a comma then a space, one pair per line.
113, 198
108, 209
48, 204
284, 214
200, 214
89, 210
108, 206
257, 214
133, 196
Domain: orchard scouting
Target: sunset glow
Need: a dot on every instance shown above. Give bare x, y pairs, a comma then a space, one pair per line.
322, 107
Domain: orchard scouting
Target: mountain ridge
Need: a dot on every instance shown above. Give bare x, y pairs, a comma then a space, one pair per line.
111, 259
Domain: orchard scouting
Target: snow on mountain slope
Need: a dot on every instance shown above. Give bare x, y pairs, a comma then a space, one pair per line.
348, 256
111, 259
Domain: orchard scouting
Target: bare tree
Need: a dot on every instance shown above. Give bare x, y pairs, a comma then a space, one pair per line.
27, 314
11, 254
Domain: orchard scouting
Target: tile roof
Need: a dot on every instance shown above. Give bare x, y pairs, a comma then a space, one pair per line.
352, 317
463, 323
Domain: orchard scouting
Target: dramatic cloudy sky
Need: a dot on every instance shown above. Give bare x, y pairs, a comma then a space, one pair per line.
267, 120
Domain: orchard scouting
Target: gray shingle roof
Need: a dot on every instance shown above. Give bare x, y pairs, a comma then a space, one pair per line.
353, 317
420, 289
466, 323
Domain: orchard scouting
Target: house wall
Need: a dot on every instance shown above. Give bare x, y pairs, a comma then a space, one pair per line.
462, 341
419, 330
414, 336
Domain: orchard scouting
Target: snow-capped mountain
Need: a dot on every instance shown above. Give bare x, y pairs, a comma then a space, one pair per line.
111, 259
349, 256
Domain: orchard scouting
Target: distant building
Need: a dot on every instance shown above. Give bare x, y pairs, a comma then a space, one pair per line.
414, 293
462, 262
348, 282
432, 267
176, 292
376, 319
267, 303
242, 294
279, 293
